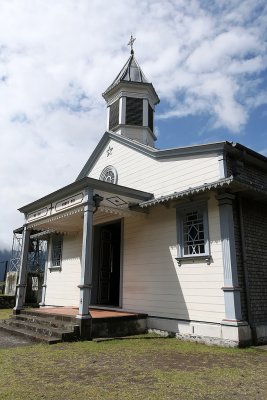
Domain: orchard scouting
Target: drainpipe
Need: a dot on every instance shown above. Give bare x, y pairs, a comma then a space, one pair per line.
244, 259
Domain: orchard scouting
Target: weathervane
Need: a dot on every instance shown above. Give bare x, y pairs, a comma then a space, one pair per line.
131, 42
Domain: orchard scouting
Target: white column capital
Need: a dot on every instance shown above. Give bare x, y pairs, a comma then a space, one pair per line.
225, 198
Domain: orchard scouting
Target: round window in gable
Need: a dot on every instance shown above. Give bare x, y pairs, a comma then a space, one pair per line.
109, 174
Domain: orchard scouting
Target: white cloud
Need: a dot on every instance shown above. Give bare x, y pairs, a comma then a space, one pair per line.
58, 56
219, 72
217, 52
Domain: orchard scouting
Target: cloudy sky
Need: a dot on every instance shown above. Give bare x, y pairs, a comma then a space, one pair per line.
207, 60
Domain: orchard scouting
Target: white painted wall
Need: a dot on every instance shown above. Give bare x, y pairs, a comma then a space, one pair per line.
152, 280
62, 286
141, 172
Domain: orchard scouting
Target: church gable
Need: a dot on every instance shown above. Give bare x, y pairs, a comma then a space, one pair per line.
140, 167
124, 161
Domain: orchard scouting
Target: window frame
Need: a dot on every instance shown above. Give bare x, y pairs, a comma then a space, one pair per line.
55, 240
181, 211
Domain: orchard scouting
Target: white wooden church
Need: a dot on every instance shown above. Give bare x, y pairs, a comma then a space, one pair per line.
177, 234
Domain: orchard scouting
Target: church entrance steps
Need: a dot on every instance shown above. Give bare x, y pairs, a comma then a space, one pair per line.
44, 329
34, 336
58, 324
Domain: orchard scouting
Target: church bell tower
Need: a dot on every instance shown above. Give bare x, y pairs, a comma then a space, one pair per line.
131, 101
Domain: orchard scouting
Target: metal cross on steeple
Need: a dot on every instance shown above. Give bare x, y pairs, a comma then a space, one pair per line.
131, 42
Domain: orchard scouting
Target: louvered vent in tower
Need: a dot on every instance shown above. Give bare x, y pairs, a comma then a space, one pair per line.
134, 111
114, 114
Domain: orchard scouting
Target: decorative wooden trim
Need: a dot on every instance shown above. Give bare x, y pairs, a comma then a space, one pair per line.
69, 202
38, 214
77, 186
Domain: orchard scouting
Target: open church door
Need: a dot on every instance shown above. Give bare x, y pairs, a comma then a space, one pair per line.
107, 264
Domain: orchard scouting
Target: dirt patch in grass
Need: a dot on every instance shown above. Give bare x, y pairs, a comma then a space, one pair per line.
172, 361
168, 360
135, 368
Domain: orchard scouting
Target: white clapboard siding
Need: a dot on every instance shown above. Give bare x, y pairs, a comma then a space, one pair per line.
152, 280
62, 286
141, 172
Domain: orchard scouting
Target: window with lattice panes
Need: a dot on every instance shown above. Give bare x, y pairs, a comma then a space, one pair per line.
192, 231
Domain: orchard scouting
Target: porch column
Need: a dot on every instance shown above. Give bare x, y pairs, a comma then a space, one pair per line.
84, 318
231, 289
22, 283
47, 261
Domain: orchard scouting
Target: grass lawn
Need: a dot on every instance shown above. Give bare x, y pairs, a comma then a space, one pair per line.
145, 367
5, 313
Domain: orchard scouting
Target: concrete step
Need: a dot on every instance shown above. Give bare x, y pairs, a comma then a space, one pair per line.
65, 328
56, 317
63, 334
34, 336
50, 322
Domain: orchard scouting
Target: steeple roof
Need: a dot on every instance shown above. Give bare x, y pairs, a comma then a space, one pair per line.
131, 72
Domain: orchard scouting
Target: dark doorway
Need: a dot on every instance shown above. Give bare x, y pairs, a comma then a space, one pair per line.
34, 288
106, 268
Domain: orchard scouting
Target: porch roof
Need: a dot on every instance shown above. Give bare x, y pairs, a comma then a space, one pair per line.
81, 184
230, 182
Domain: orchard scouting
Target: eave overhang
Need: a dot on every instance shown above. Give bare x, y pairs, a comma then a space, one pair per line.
81, 184
18, 230
243, 153
131, 86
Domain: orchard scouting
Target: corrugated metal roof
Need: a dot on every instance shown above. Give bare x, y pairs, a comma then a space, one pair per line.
188, 192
